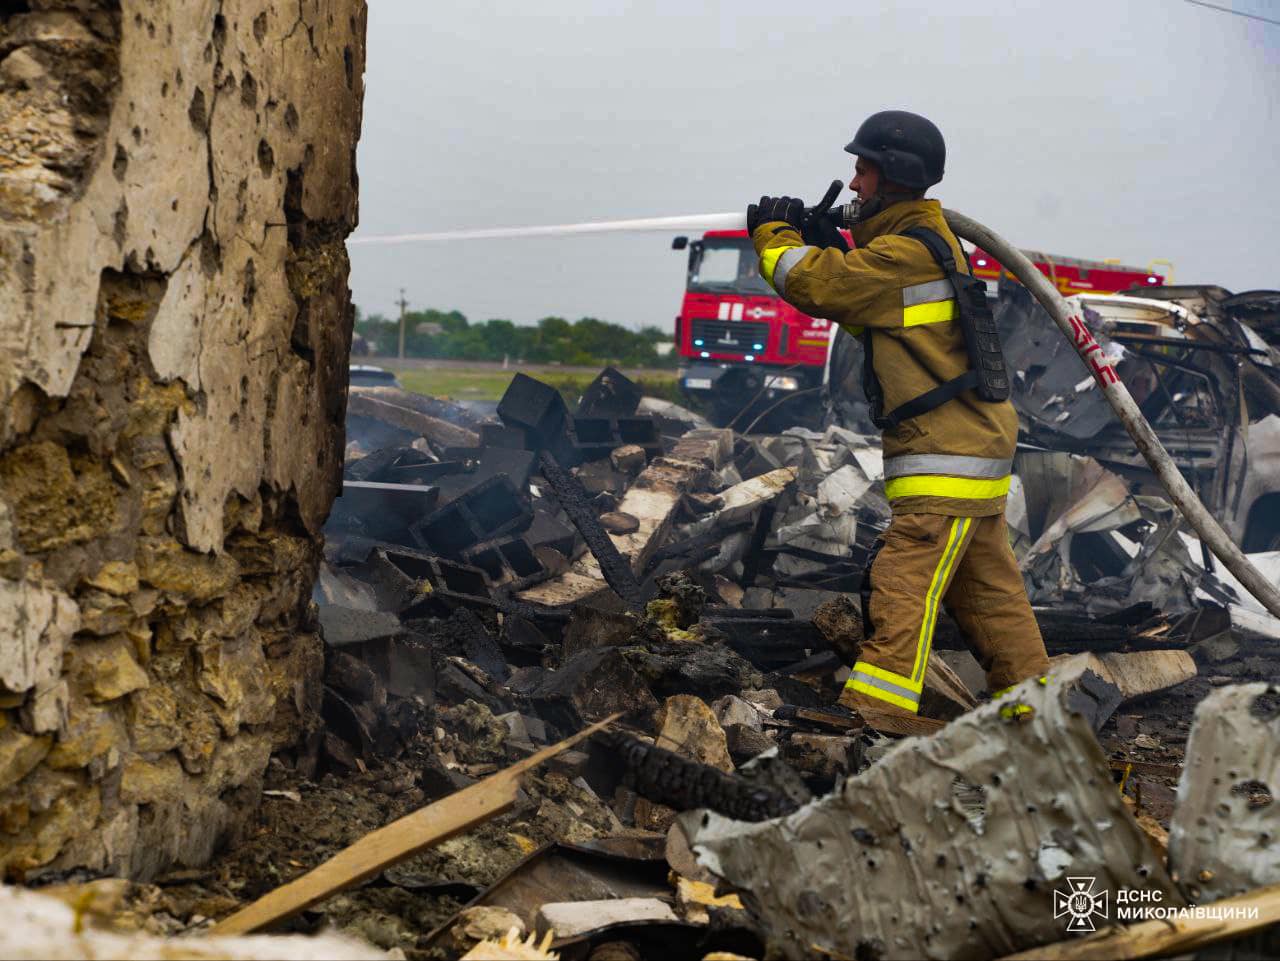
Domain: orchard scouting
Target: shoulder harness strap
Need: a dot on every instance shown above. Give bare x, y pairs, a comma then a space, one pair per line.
986, 359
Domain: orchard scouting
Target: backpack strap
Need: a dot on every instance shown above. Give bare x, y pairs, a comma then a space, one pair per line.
939, 248
923, 403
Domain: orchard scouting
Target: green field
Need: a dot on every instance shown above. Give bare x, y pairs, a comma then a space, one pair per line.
487, 384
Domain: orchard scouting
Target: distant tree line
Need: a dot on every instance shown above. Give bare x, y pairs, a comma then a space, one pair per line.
449, 336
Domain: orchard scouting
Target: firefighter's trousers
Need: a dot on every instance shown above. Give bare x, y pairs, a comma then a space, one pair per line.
964, 563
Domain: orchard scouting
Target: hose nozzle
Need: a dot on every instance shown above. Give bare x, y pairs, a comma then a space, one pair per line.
845, 215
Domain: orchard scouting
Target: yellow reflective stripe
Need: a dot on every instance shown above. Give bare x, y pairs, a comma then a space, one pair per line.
886, 696
769, 261
862, 667
941, 575
1042, 680
1017, 710
935, 313
937, 485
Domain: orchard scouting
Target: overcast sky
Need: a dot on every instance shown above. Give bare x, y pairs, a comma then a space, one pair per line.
1136, 130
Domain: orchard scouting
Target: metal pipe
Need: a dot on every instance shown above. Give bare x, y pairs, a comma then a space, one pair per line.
1075, 330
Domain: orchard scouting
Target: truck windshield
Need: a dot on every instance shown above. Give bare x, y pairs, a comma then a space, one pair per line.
727, 265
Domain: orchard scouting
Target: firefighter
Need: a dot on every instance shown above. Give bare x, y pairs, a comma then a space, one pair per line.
948, 427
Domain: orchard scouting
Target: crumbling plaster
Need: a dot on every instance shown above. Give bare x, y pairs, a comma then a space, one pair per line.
176, 183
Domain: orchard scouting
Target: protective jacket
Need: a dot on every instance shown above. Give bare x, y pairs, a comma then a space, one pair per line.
955, 459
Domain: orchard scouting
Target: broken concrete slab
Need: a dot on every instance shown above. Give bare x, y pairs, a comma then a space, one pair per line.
948, 847
389, 405
344, 625
1225, 835
742, 500
1135, 673
570, 918
711, 446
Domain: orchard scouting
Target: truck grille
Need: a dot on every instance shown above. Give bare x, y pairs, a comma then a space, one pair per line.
719, 336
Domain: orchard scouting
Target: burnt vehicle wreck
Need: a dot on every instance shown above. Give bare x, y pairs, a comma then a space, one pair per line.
1205, 378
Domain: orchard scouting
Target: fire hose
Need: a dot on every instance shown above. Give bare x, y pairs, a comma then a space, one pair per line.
1015, 262
1126, 409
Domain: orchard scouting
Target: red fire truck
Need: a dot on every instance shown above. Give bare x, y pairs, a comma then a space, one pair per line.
745, 346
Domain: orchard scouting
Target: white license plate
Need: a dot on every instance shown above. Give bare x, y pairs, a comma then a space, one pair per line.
697, 383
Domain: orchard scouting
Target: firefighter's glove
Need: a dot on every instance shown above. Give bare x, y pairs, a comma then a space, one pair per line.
789, 209
821, 232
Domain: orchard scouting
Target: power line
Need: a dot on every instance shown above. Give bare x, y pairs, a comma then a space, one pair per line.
1238, 13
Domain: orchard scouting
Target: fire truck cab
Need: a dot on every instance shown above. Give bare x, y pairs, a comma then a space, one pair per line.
744, 347
742, 344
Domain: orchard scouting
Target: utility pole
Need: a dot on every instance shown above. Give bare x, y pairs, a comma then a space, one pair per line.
403, 304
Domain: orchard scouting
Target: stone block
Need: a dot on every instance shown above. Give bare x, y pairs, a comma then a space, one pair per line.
40, 622
183, 573
107, 669
153, 782
91, 732
19, 754
115, 577
152, 717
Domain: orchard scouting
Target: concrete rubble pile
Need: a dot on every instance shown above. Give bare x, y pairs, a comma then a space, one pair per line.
514, 565
493, 585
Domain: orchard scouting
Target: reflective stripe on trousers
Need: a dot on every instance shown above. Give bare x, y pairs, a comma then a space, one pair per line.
904, 690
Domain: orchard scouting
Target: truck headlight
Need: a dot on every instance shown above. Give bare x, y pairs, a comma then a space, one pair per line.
782, 383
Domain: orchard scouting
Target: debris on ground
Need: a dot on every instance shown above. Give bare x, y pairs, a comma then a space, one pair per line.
491, 587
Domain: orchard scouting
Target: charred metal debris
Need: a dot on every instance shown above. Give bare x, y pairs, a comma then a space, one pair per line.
492, 585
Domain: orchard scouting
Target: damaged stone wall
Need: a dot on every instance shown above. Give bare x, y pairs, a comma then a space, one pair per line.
176, 183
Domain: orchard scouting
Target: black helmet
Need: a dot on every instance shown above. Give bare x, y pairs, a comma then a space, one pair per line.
908, 148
